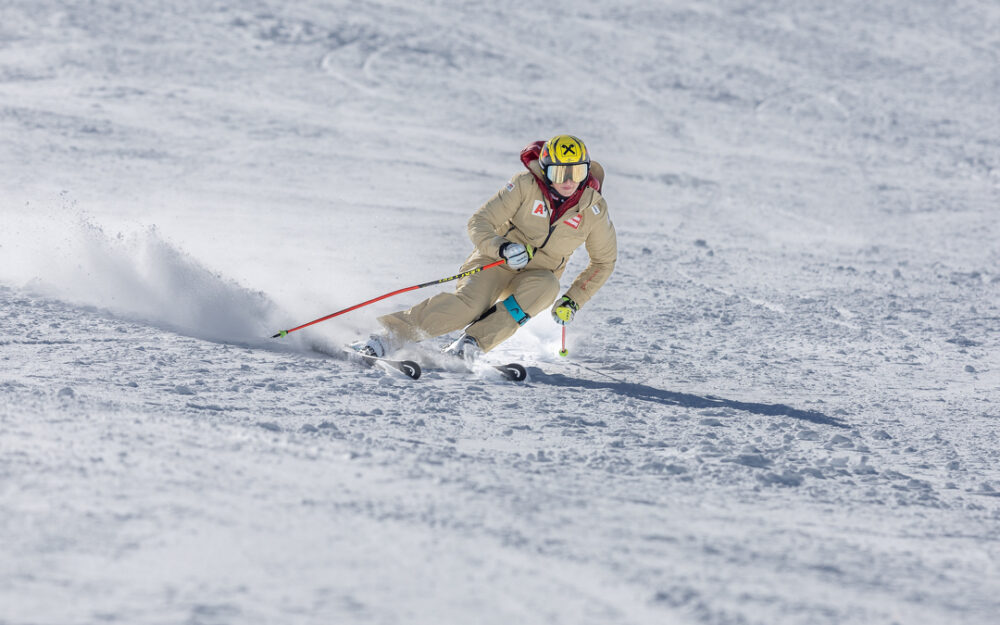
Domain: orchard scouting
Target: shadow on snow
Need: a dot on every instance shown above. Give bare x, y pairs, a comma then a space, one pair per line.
671, 398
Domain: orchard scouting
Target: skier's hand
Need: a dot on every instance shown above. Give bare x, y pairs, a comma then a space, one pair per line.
563, 310
516, 254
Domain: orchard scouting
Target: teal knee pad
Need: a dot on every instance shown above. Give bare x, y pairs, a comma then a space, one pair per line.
516, 311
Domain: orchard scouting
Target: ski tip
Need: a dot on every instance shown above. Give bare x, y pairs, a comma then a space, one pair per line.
513, 372
410, 368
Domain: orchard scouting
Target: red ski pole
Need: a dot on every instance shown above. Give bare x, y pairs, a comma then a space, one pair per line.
563, 352
382, 297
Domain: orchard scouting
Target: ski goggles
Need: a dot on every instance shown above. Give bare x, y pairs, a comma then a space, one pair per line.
561, 173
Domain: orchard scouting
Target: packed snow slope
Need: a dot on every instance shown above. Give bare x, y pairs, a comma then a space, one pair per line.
783, 408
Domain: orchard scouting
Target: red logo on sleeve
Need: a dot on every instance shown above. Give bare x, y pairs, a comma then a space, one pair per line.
539, 210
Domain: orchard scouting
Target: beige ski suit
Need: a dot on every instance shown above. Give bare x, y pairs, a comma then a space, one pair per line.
519, 213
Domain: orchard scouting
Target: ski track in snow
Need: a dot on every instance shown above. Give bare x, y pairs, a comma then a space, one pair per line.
782, 408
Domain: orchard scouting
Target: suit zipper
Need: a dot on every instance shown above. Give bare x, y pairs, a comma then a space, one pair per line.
552, 229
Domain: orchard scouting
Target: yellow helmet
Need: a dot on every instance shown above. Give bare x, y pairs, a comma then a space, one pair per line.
565, 157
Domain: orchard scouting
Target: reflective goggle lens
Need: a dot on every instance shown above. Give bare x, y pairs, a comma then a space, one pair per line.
562, 173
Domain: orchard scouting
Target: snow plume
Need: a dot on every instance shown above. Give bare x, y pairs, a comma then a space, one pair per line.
138, 275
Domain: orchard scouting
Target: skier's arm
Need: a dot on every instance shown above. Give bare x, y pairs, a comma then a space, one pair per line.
602, 246
494, 217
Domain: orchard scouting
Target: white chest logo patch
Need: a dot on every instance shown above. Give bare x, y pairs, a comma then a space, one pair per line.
510, 186
596, 208
575, 222
539, 209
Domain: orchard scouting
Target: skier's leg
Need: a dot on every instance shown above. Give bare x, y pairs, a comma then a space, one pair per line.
447, 312
528, 294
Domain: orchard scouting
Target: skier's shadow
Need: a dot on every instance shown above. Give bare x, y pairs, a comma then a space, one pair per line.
672, 398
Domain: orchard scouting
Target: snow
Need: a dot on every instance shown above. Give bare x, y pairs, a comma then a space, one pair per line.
784, 407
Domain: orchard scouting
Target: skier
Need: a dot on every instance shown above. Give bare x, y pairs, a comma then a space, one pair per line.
535, 223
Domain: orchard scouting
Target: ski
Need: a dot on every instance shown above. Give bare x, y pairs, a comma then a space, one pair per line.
408, 367
511, 371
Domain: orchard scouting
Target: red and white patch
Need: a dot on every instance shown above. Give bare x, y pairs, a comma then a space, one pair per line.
539, 209
510, 186
574, 223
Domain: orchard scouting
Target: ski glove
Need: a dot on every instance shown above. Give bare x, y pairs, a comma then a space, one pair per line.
516, 254
563, 311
